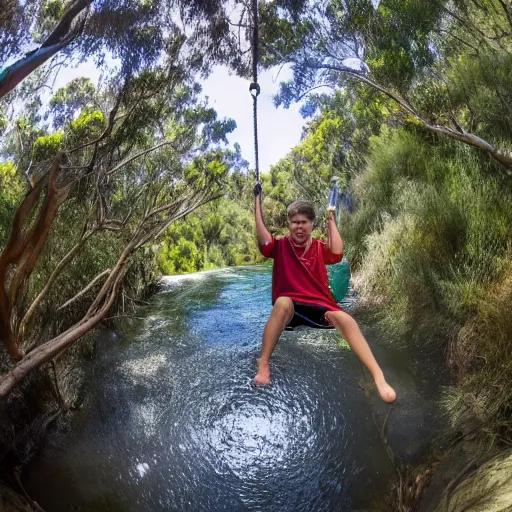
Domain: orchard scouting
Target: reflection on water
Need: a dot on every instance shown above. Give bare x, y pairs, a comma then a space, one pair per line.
172, 421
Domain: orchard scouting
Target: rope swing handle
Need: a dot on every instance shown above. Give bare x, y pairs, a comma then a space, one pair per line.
254, 88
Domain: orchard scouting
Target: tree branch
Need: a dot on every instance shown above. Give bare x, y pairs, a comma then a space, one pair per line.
137, 155
60, 37
461, 135
106, 132
160, 228
37, 235
56, 272
111, 279
18, 71
10, 255
55, 346
64, 26
84, 290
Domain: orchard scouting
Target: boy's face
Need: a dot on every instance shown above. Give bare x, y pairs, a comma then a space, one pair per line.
300, 229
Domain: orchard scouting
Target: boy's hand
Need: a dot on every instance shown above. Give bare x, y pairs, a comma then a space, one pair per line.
330, 218
258, 189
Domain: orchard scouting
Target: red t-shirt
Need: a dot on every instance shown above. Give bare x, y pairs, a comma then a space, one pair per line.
301, 276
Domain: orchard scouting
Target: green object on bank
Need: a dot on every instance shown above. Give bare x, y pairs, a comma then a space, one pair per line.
339, 279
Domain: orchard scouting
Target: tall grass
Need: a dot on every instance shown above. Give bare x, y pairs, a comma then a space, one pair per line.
482, 353
434, 238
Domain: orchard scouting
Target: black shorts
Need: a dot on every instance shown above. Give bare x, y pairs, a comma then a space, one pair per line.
310, 316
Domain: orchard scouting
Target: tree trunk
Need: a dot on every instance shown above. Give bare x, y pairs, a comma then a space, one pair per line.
60, 37
55, 346
23, 250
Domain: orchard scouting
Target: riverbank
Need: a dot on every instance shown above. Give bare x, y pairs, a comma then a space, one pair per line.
468, 480
42, 404
48, 398
471, 469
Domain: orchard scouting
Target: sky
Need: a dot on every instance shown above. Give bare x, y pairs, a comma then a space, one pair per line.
279, 129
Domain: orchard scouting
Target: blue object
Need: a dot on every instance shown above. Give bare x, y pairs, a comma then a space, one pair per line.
334, 197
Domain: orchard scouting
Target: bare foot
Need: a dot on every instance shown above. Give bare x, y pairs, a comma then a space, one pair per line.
263, 376
386, 392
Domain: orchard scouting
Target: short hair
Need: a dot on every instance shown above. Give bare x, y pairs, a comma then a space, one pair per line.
305, 208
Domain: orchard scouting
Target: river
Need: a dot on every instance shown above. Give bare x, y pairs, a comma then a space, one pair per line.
171, 420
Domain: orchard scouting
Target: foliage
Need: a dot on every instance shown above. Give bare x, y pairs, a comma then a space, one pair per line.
47, 146
221, 234
181, 258
481, 354
430, 234
116, 167
11, 189
74, 97
3, 124
409, 81
392, 41
437, 245
417, 56
123, 38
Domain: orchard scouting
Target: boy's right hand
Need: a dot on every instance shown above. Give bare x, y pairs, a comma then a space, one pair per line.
258, 189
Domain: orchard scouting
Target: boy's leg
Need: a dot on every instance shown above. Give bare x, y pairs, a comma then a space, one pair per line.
282, 313
349, 329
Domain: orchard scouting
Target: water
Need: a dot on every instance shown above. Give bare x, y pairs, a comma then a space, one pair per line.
172, 422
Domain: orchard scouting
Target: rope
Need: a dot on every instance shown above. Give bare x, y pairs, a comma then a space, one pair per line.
254, 88
255, 40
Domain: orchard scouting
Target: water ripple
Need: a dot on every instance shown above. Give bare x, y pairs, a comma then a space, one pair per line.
173, 422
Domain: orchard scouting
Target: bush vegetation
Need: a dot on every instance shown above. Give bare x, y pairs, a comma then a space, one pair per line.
435, 224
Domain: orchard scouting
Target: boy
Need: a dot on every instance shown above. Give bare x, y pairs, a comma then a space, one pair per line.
300, 290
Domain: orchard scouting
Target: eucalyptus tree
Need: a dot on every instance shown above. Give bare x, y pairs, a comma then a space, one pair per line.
106, 169
413, 53
120, 167
134, 34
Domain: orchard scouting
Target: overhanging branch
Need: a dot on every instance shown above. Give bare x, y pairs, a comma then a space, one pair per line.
60, 37
55, 346
461, 135
126, 161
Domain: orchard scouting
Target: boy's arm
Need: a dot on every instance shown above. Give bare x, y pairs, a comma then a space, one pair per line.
264, 237
334, 241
